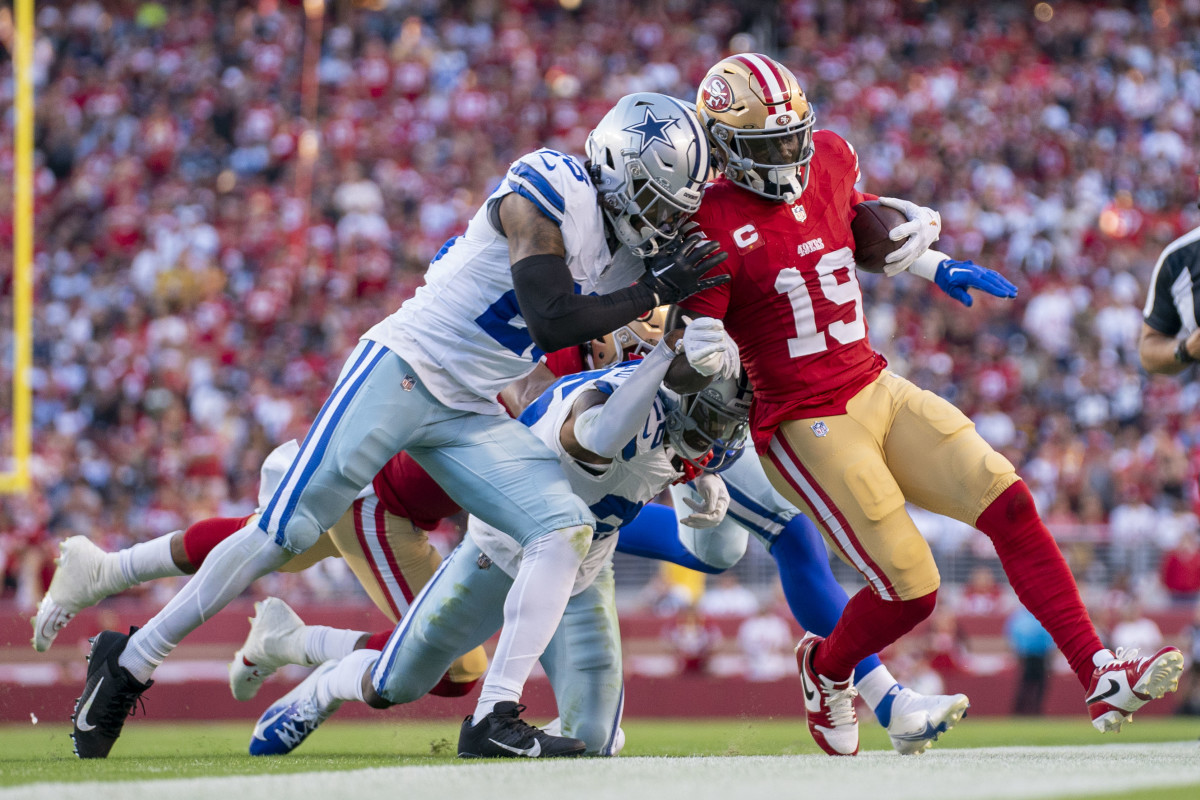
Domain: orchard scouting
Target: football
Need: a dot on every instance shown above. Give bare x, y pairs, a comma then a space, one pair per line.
871, 224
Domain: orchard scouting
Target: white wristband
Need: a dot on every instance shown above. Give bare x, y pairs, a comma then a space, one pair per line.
927, 263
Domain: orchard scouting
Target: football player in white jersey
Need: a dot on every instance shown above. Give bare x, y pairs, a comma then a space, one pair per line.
562, 252
621, 440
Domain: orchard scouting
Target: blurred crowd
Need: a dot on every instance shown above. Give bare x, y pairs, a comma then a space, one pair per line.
228, 194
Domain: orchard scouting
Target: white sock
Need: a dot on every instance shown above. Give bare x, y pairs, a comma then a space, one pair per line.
1102, 657
322, 643
146, 561
344, 682
532, 611
232, 566
875, 685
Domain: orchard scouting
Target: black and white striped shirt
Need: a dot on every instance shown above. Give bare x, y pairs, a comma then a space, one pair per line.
1174, 298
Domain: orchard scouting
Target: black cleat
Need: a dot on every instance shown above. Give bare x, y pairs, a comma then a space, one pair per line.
109, 696
503, 734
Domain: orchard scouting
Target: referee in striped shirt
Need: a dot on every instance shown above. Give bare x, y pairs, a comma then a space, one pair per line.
1171, 328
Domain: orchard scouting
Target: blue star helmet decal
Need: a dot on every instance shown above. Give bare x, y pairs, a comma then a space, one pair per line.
652, 129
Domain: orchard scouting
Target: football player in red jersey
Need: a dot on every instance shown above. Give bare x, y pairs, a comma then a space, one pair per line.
843, 438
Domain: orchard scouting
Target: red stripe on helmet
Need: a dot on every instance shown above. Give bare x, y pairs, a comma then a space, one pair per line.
770, 78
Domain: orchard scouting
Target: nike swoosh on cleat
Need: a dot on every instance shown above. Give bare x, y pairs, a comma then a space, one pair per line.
81, 718
808, 694
263, 724
930, 732
1113, 688
532, 752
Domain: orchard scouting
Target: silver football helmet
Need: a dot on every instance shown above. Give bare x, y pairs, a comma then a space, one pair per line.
649, 161
709, 428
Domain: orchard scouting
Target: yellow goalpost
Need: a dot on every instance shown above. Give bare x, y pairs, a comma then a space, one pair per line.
17, 478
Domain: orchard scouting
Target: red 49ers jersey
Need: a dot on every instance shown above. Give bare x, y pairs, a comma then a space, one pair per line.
793, 305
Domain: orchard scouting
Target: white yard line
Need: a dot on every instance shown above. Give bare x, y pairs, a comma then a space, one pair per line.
983, 774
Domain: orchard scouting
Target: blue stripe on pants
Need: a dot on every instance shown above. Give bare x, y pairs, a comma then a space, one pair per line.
326, 422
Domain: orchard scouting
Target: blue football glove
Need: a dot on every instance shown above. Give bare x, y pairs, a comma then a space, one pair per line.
956, 277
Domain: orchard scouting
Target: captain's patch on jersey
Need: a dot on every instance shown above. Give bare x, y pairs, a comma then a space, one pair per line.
820, 429
746, 238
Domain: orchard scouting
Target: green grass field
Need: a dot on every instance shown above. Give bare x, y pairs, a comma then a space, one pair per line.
42, 754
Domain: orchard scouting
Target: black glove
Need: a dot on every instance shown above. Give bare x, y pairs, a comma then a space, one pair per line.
677, 272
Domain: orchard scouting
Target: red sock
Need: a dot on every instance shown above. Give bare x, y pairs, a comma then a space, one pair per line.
868, 624
376, 641
201, 538
1039, 574
448, 688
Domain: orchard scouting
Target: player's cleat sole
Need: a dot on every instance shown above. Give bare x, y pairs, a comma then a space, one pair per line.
291, 719
274, 641
503, 734
109, 696
1127, 683
918, 720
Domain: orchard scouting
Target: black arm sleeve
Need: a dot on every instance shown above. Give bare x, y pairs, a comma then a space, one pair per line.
1161, 313
557, 317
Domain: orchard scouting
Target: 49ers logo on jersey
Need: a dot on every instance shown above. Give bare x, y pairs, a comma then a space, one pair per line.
718, 96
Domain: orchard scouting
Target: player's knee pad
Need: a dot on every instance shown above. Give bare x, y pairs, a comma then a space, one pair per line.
599, 736
618, 744
719, 548
301, 533
398, 691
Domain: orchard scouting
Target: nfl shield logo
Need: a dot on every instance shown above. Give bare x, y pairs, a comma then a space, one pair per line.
408, 383
799, 213
820, 429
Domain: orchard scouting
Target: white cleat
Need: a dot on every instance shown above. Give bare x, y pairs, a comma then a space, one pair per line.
828, 704
1127, 683
918, 720
84, 577
276, 639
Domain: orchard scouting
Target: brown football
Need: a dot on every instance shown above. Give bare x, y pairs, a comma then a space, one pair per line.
871, 224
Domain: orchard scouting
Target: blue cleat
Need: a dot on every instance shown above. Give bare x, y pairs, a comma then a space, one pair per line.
290, 720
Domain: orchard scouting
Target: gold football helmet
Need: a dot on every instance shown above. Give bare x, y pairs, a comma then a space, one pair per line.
637, 338
759, 123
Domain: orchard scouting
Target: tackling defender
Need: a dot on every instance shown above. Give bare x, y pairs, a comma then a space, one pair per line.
553, 258
621, 440
842, 438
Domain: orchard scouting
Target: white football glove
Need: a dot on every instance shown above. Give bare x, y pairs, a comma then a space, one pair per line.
922, 229
714, 502
709, 349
